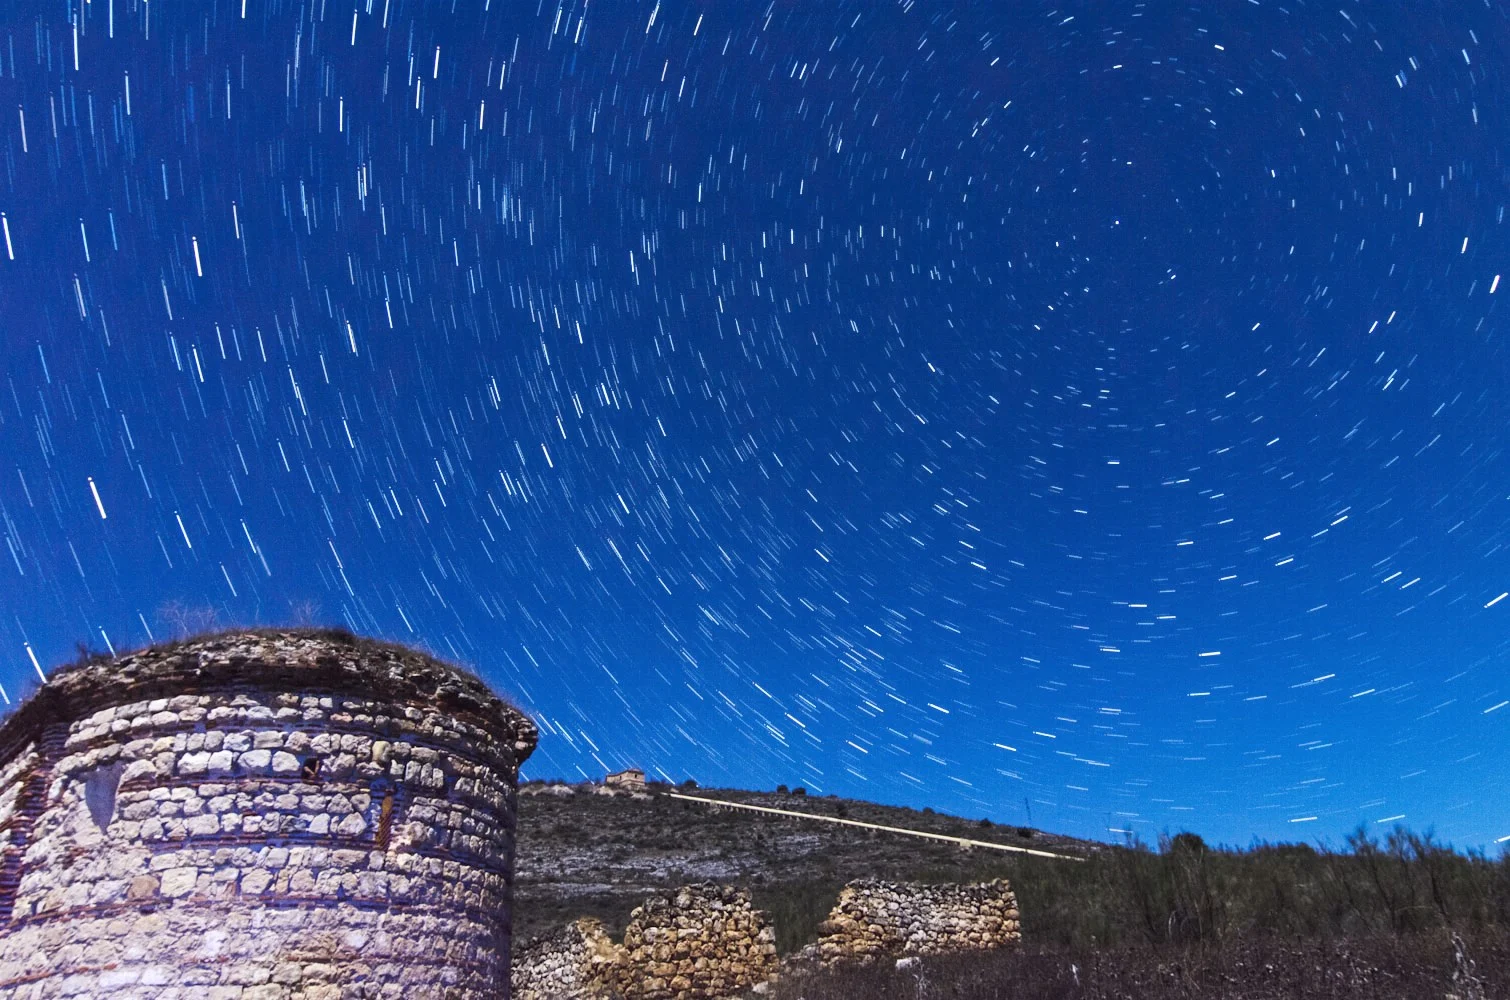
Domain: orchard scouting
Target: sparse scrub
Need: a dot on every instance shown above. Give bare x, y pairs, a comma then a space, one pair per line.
1180, 894
1421, 967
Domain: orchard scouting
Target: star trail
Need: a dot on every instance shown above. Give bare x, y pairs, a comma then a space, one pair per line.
1092, 409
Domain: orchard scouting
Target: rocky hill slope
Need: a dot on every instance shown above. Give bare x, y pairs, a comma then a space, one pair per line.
585, 850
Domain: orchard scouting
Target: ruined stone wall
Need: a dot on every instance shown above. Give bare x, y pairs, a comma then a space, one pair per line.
259, 816
578, 960
702, 942
874, 919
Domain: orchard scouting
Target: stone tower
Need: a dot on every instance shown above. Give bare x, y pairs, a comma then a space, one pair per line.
259, 815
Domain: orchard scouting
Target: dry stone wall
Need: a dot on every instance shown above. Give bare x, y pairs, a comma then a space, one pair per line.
885, 919
259, 816
575, 961
702, 942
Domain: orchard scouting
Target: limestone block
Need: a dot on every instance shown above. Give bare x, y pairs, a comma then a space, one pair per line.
179, 881
157, 975
204, 825
143, 887
342, 765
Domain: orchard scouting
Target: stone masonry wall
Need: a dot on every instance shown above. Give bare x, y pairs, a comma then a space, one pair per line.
578, 960
874, 919
259, 816
19, 783
702, 942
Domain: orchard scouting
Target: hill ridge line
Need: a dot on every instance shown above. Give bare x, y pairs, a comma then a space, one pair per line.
874, 826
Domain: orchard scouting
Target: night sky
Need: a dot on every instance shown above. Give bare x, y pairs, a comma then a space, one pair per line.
1098, 408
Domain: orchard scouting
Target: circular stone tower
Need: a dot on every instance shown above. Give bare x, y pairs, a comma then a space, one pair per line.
259, 815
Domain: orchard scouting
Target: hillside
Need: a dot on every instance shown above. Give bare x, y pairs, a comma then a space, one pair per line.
586, 850
583, 851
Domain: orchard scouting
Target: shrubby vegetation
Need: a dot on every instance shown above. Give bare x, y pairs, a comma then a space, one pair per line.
1397, 916
589, 854
1188, 893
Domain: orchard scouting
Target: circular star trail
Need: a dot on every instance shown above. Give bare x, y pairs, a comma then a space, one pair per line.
1094, 409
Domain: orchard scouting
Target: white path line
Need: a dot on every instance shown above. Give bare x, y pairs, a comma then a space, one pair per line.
874, 826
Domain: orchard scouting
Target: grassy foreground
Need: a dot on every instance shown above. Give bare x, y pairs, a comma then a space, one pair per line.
1414, 967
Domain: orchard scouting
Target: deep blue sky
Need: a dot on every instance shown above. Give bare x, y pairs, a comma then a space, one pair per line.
1095, 404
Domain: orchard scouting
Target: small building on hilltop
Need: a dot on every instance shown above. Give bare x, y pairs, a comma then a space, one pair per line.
632, 779
285, 813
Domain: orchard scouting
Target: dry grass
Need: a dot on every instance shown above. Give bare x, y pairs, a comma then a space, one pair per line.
1415, 967
186, 633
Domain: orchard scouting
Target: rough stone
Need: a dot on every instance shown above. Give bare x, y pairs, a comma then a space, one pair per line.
875, 919
179, 841
705, 942
699, 943
179, 881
